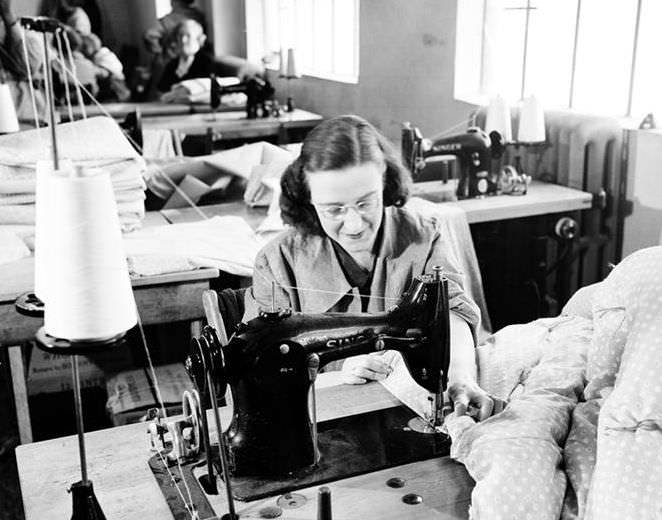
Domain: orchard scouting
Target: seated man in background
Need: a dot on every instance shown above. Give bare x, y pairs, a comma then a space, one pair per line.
192, 61
12, 62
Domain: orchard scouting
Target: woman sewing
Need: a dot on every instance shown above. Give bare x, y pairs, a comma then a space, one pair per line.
353, 246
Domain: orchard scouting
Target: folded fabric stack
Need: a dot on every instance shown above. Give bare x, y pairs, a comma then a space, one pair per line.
91, 143
198, 90
226, 243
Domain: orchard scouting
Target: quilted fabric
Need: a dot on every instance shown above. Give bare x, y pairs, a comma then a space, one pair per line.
544, 363
606, 350
625, 377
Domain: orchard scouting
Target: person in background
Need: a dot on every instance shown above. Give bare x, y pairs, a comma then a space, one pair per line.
72, 15
161, 39
192, 60
13, 66
352, 236
110, 71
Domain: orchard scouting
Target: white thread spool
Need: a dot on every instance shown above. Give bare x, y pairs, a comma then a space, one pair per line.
8, 119
282, 66
531, 121
498, 118
42, 218
291, 65
89, 291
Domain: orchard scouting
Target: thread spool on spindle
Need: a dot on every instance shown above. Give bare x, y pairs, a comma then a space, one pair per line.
8, 119
43, 205
531, 121
498, 118
89, 292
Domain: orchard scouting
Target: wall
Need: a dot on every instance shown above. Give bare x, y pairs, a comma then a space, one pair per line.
124, 24
643, 228
228, 21
26, 7
407, 56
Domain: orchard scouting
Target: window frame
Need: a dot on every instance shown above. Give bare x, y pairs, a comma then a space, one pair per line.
472, 61
264, 28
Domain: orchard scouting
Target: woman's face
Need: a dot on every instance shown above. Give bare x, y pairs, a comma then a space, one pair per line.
349, 204
191, 38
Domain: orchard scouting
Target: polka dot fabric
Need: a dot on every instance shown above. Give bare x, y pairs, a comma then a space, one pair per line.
607, 343
520, 446
625, 370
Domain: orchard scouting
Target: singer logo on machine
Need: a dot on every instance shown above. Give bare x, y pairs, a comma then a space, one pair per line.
349, 340
450, 147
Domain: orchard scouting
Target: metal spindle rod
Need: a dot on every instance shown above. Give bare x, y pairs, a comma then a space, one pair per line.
51, 102
79, 419
221, 448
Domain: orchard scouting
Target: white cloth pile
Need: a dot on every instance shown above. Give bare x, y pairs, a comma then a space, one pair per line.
226, 243
92, 143
198, 90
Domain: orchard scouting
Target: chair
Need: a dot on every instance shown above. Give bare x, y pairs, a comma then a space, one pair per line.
223, 309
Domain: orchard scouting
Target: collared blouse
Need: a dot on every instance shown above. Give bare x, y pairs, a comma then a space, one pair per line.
302, 272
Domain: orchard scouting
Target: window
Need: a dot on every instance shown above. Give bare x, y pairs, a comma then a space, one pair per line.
323, 33
163, 7
591, 55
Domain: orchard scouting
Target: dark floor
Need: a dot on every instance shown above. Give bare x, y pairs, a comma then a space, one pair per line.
53, 415
10, 493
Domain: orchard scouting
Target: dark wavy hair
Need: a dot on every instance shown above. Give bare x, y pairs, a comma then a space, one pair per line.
336, 144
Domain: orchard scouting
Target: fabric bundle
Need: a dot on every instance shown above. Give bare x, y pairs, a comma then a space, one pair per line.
93, 143
198, 90
226, 243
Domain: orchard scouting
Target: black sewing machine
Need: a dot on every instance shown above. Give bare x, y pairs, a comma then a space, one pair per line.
474, 150
274, 443
258, 92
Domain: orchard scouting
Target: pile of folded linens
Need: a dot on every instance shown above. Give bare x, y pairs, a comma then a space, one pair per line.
96, 142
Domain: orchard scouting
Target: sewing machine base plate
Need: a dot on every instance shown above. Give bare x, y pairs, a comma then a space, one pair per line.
349, 446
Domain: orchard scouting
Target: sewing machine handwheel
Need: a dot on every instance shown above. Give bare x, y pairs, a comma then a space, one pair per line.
191, 410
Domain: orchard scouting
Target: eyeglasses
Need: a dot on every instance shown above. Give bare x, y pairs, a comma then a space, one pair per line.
338, 211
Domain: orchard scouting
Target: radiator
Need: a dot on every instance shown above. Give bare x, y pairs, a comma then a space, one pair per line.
584, 152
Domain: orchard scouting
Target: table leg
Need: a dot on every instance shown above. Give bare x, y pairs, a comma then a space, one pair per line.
18, 376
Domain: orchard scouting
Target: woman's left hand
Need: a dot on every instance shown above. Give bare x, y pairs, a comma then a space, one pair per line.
465, 393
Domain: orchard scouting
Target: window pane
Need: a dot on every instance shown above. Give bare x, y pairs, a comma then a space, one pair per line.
549, 58
468, 49
504, 48
163, 7
344, 37
323, 33
287, 19
647, 94
323, 43
604, 54
304, 40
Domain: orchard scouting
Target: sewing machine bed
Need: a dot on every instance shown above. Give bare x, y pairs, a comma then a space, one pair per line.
349, 446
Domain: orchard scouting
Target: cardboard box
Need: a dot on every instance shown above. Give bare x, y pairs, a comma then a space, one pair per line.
132, 393
49, 373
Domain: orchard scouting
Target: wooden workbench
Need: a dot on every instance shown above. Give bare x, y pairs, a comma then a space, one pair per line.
160, 299
541, 199
147, 109
127, 490
234, 125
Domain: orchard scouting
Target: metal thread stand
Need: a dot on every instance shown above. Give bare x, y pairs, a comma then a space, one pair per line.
85, 503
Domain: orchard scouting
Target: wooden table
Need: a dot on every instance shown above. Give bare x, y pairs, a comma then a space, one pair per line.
235, 125
541, 199
126, 489
160, 299
147, 109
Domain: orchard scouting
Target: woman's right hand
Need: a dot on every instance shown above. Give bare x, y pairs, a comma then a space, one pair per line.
358, 370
